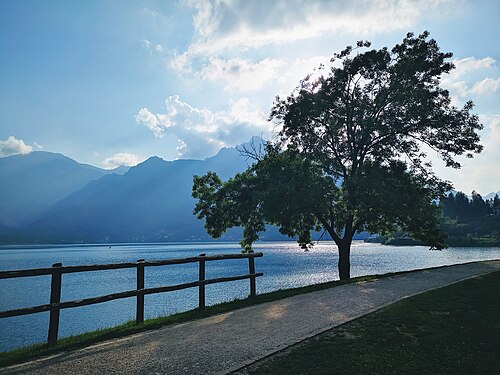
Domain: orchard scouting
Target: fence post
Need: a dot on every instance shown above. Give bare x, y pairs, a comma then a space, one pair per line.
139, 311
251, 271
55, 298
201, 288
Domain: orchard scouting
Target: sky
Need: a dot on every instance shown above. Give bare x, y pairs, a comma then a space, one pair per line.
112, 83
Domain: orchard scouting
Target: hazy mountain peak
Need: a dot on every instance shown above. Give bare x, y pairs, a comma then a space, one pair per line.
31, 183
152, 160
120, 170
254, 141
491, 195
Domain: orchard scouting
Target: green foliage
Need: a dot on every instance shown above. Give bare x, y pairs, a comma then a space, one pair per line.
349, 154
496, 201
470, 222
458, 206
230, 204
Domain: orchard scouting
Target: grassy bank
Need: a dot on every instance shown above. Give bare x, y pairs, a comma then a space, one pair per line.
452, 330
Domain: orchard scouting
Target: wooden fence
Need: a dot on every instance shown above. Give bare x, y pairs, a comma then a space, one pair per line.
57, 270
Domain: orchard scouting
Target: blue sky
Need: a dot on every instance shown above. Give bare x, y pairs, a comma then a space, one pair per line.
114, 82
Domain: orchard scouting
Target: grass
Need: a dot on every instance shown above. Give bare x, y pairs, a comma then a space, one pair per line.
452, 330
79, 341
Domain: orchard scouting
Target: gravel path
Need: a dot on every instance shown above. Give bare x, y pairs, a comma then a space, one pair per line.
226, 342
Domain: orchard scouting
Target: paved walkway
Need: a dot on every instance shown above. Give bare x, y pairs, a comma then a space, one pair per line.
226, 342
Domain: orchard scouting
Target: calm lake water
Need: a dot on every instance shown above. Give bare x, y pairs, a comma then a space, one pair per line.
284, 266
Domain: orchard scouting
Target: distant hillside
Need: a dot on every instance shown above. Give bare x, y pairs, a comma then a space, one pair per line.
80, 203
30, 184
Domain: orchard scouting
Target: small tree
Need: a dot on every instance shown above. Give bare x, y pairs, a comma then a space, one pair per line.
350, 154
496, 201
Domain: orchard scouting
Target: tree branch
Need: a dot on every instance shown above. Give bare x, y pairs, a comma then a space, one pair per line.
328, 228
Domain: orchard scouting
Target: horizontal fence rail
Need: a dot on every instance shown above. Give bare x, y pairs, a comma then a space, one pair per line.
57, 270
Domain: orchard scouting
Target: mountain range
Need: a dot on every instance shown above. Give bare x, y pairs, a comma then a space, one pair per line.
49, 198
32, 183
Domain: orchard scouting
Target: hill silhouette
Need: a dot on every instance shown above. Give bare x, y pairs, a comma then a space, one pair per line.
79, 203
151, 202
32, 183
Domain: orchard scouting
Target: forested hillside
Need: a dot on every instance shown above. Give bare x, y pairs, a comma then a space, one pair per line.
473, 221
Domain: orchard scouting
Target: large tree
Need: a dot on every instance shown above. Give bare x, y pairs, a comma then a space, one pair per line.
350, 155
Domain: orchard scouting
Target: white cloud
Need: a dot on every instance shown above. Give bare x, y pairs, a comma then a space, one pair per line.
481, 172
181, 147
154, 49
470, 64
13, 146
180, 63
121, 158
156, 123
468, 78
226, 31
239, 74
486, 86
201, 132
227, 24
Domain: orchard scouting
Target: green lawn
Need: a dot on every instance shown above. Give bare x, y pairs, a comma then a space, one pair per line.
452, 330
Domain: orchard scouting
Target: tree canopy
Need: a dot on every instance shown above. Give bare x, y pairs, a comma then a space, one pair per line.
351, 152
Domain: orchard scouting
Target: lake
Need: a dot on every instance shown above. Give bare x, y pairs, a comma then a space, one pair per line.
284, 266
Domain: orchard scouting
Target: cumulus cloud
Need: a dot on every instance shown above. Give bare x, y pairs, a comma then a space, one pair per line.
180, 63
13, 146
156, 123
471, 64
201, 132
468, 78
121, 158
486, 86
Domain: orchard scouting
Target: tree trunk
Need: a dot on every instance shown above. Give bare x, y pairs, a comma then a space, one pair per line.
344, 261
